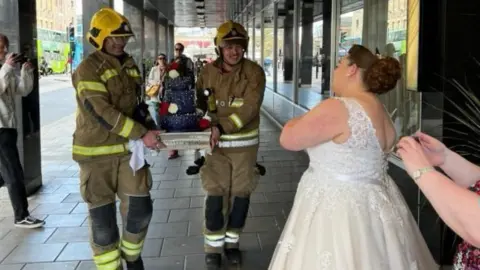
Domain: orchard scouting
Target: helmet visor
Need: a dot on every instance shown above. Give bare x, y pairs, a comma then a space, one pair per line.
123, 40
232, 42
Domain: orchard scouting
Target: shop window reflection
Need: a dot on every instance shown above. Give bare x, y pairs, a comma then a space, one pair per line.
317, 51
351, 31
268, 53
250, 43
402, 103
284, 87
258, 40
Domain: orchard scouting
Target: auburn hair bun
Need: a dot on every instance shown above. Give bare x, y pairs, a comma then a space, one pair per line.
382, 75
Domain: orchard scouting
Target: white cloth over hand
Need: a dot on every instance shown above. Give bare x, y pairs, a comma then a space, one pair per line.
137, 161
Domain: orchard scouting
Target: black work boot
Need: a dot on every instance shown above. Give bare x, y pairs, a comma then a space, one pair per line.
136, 265
213, 261
234, 256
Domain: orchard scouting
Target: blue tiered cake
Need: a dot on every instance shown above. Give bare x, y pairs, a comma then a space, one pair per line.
179, 93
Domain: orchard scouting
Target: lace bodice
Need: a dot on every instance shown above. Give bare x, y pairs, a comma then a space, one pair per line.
359, 158
348, 213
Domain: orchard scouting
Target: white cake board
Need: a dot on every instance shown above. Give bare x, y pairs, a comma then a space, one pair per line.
187, 140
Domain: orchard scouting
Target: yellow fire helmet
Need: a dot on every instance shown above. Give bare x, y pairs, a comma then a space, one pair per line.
231, 31
107, 23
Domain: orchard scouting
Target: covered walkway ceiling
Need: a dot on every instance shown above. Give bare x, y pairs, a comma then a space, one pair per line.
211, 13
192, 13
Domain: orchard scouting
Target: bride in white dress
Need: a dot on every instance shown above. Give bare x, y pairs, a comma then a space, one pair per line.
348, 213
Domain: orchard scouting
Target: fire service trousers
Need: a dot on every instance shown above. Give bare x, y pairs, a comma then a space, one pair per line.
228, 176
100, 180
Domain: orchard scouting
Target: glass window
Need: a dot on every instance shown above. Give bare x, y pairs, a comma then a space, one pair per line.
402, 103
268, 52
250, 42
351, 30
285, 58
310, 91
258, 40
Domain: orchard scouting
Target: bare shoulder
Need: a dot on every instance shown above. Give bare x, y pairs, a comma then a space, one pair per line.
331, 105
332, 110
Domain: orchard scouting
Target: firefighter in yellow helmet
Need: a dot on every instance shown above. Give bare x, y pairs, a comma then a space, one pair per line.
233, 88
107, 87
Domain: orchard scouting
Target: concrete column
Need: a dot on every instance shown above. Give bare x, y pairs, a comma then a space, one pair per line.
88, 9
275, 46
375, 13
19, 25
171, 41
162, 36
262, 35
151, 40
288, 47
133, 10
296, 53
253, 39
326, 44
157, 37
306, 50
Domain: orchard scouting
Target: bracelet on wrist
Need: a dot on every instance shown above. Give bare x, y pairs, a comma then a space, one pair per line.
420, 172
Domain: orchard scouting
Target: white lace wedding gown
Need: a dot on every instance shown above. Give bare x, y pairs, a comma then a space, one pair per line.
348, 213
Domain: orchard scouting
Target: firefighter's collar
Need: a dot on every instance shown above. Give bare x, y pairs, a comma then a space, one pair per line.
128, 63
219, 64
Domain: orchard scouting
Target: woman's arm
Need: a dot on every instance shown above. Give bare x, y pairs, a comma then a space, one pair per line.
462, 171
151, 76
459, 208
25, 81
323, 123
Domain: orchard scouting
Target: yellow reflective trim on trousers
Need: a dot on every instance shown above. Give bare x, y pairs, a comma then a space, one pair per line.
232, 237
107, 258
99, 150
127, 128
239, 135
236, 120
232, 234
131, 249
108, 74
214, 237
92, 86
216, 240
132, 72
110, 266
132, 245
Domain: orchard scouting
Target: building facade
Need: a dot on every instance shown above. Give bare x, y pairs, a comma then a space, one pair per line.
55, 14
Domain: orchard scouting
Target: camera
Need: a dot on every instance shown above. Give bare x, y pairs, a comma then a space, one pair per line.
20, 58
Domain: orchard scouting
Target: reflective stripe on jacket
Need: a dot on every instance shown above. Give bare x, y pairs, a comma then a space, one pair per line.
238, 96
106, 94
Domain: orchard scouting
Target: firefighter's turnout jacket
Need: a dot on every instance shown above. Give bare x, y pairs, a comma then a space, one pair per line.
106, 93
235, 102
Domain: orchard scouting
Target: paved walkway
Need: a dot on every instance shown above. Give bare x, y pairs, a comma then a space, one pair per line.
174, 239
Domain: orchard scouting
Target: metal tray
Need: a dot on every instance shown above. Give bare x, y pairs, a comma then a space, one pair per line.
186, 140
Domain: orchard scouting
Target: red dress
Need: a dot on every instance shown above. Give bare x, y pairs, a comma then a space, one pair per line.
468, 256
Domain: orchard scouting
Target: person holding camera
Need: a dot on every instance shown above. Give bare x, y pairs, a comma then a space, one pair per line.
11, 171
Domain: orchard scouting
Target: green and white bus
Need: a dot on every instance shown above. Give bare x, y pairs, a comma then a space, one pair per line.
54, 46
